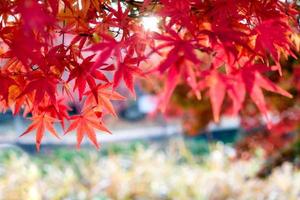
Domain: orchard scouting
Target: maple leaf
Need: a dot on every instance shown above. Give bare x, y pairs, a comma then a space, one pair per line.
104, 99
86, 74
108, 47
138, 42
225, 10
253, 82
218, 85
85, 124
217, 94
173, 77
229, 38
125, 71
272, 36
41, 84
179, 11
180, 71
119, 19
78, 39
25, 47
265, 10
58, 111
179, 48
41, 122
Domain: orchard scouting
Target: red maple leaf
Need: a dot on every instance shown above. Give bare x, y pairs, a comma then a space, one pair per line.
272, 37
119, 19
253, 81
107, 47
58, 111
41, 122
179, 11
41, 84
105, 96
218, 85
179, 48
126, 71
84, 74
85, 124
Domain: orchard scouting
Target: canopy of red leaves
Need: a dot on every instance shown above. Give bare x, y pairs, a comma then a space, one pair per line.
58, 51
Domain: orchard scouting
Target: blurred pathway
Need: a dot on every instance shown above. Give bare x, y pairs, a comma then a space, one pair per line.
122, 132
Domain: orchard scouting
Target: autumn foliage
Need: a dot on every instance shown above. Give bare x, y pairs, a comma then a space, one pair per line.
54, 52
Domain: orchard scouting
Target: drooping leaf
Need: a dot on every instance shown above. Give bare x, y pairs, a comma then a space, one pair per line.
105, 96
41, 123
85, 125
126, 71
254, 82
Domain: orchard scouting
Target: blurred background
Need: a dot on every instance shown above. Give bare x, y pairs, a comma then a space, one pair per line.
149, 156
